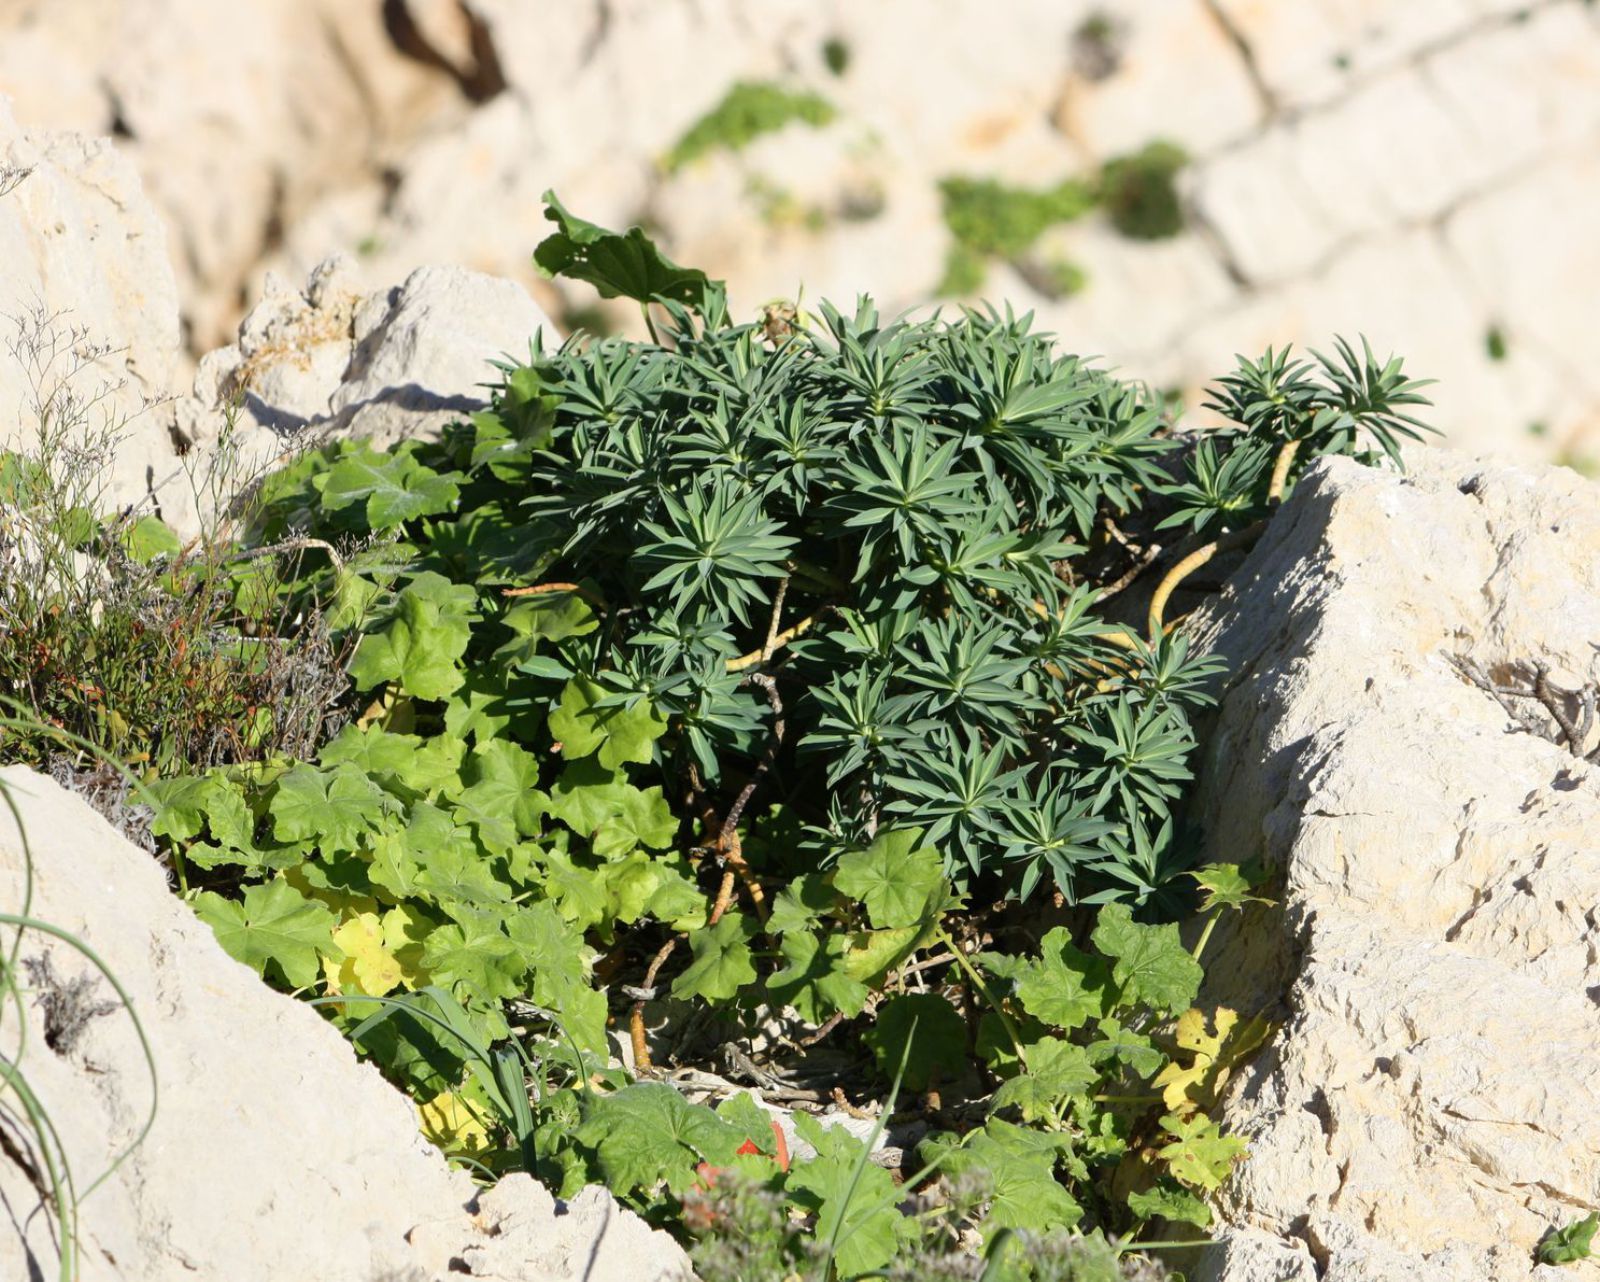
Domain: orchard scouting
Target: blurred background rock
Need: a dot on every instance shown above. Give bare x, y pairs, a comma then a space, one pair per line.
1165, 182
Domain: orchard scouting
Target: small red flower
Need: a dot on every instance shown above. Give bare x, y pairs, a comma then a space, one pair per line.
708, 1174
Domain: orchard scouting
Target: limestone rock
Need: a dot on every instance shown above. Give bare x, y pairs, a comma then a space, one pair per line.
88, 307
1308, 53
518, 1233
421, 353
273, 1154
237, 115
331, 361
449, 34
1426, 1110
1525, 276
1419, 172
1256, 201
1260, 1257
1528, 90
1166, 42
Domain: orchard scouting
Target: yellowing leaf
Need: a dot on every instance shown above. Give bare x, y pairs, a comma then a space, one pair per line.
451, 1123
1198, 1154
305, 878
368, 968
874, 953
1212, 1058
405, 932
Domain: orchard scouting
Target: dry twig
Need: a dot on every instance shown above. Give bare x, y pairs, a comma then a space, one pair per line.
1563, 730
641, 1048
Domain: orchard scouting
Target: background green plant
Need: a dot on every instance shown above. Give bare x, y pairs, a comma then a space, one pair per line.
1569, 1243
1139, 191
748, 110
990, 220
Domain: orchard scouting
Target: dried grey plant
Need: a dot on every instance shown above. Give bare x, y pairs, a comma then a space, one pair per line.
68, 1006
1533, 685
181, 658
13, 176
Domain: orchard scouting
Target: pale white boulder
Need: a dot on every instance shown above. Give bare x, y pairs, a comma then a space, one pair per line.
237, 115
1308, 53
1530, 277
89, 336
1178, 77
333, 361
1269, 223
421, 355
1426, 1108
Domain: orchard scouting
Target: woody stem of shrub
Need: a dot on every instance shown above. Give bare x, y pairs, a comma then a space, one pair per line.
641, 1049
1122, 638
539, 589
832, 1022
729, 848
296, 545
750, 660
724, 897
728, 845
1227, 543
1143, 562
1552, 701
1549, 697
1280, 472
776, 641
1143, 558
1183, 569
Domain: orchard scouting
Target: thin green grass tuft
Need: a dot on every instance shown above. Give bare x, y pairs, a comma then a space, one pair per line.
20, 1102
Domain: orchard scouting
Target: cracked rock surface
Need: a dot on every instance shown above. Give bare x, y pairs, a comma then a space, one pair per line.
1424, 172
1427, 1109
